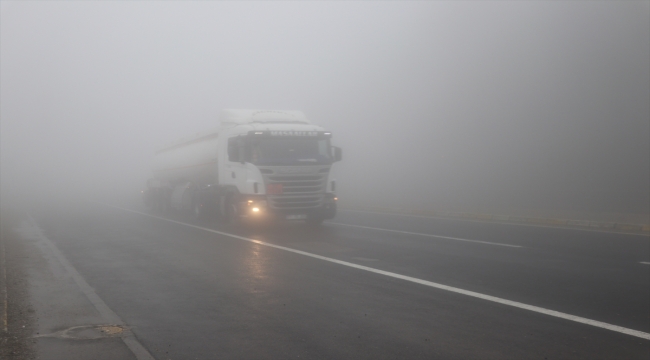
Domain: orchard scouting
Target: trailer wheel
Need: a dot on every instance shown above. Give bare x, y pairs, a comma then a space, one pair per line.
232, 215
160, 203
197, 211
165, 201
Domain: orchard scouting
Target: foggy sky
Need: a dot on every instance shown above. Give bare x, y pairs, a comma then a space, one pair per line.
435, 104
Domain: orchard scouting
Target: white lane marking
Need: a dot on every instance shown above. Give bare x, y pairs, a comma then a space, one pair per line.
644, 262
110, 317
427, 235
495, 299
495, 222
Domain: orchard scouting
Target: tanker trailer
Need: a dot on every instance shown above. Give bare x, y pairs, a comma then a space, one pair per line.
259, 164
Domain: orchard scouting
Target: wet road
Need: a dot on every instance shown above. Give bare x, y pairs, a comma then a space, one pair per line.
188, 292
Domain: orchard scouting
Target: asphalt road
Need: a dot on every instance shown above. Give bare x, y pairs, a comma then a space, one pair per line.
190, 293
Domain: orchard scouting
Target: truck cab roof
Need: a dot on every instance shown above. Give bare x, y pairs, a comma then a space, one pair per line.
234, 117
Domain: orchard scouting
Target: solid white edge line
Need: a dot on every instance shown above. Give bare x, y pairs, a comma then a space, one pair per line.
140, 352
496, 222
495, 299
428, 235
644, 262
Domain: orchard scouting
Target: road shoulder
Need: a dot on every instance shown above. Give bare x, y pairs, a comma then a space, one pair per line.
50, 317
16, 312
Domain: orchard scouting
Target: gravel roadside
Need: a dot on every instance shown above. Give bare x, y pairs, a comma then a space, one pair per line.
17, 315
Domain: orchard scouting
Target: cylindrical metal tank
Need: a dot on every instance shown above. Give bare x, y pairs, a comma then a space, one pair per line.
192, 160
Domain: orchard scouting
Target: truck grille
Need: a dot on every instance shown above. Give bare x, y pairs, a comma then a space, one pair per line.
305, 190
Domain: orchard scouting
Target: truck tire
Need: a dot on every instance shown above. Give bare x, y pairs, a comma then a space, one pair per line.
160, 201
197, 211
165, 202
231, 215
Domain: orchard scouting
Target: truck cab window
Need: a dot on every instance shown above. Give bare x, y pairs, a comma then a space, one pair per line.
289, 151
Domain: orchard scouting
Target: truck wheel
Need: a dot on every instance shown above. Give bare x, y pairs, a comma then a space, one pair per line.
165, 206
160, 202
197, 211
232, 215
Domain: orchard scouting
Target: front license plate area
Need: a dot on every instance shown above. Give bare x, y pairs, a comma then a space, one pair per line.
296, 217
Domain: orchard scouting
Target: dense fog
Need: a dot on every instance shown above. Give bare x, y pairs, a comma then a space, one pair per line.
437, 105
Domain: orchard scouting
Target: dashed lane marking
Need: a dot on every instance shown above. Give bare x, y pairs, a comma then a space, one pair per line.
644, 262
473, 294
494, 222
427, 235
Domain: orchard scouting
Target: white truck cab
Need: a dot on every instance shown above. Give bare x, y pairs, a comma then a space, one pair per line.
269, 164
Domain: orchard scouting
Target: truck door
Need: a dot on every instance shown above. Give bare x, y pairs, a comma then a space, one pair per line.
236, 167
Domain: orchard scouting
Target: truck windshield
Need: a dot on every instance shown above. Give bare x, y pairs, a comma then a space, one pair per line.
289, 151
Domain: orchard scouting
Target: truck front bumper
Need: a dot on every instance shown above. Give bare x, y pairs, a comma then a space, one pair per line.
257, 208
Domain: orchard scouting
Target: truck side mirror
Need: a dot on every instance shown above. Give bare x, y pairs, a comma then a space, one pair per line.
338, 155
242, 152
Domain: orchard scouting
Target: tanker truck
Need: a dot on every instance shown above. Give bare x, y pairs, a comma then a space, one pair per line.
257, 165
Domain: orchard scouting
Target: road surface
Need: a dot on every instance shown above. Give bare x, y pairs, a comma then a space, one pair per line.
362, 286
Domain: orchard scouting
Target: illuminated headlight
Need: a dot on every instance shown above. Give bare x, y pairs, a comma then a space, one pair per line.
256, 206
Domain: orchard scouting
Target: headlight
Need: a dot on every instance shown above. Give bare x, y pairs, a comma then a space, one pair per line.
256, 205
